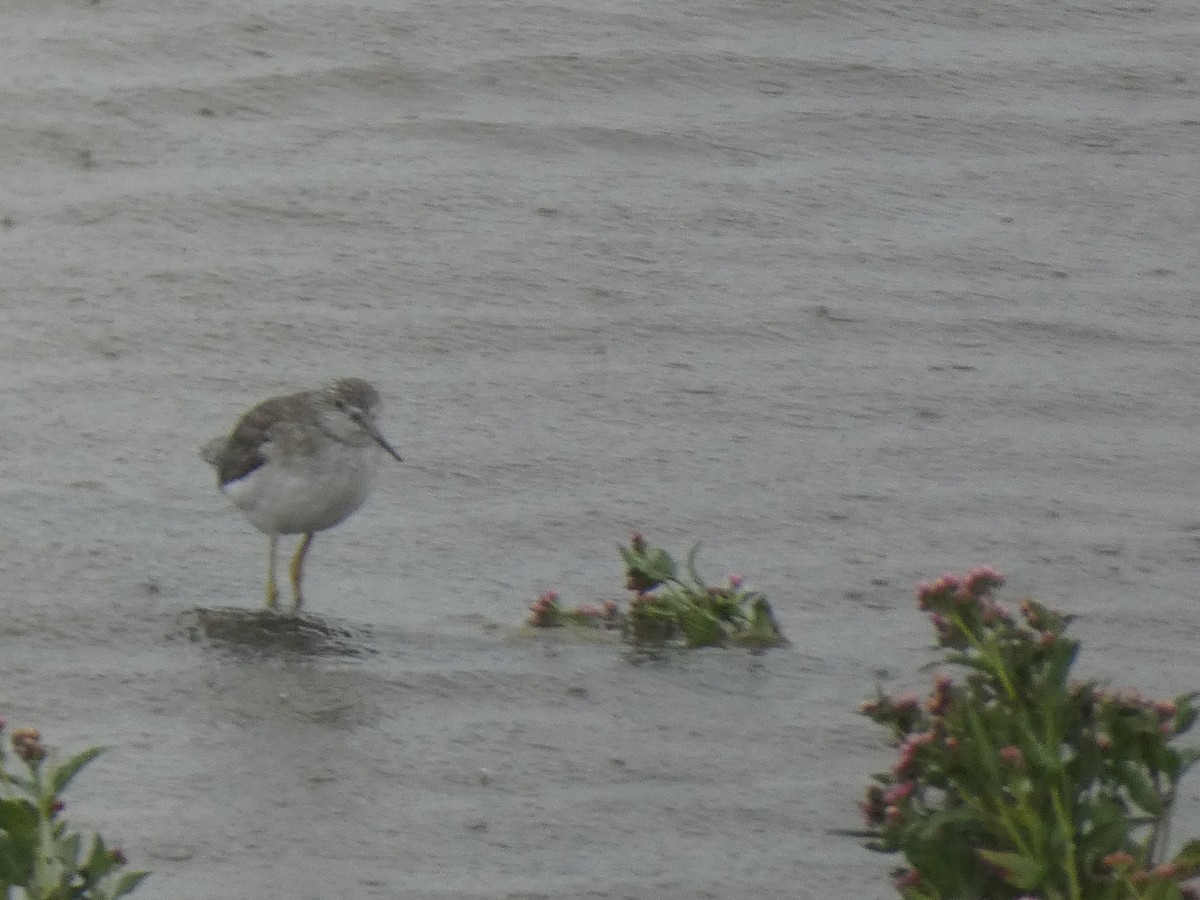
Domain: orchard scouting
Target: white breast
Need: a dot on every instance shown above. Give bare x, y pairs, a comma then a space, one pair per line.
299, 494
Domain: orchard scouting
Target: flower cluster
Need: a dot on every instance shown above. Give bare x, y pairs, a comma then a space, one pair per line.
1013, 779
547, 611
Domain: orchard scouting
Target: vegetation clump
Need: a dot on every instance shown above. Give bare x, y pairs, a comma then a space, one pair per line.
1015, 781
39, 852
670, 608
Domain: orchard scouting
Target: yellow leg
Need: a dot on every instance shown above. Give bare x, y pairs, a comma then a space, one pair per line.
297, 570
272, 588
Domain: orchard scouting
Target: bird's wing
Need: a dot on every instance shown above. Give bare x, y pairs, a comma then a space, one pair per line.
248, 446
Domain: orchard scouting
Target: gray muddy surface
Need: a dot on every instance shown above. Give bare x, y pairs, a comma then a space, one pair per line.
851, 293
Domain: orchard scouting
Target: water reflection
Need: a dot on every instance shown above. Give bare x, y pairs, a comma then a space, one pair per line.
264, 632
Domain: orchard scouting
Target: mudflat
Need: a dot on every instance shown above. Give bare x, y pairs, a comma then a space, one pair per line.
851, 293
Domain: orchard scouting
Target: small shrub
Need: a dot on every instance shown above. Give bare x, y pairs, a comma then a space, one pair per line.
39, 853
1014, 781
669, 608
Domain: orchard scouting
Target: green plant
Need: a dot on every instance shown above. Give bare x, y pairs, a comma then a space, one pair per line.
1016, 782
39, 853
668, 607
646, 567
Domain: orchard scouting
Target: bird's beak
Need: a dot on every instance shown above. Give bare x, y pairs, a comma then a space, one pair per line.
381, 440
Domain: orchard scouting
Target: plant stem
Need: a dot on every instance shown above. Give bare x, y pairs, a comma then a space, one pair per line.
42, 879
993, 659
1065, 826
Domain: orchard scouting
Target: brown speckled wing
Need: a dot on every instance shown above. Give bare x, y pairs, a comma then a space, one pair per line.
244, 451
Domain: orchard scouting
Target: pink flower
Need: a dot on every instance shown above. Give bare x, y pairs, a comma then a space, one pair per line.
27, 744
982, 579
909, 879
898, 793
923, 590
904, 767
736, 582
872, 806
908, 752
940, 699
994, 612
1012, 756
947, 584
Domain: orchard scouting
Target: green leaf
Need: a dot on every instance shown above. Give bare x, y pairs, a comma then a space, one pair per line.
127, 883
18, 841
61, 775
1062, 657
1187, 860
1188, 757
1020, 871
1185, 717
700, 628
99, 862
660, 565
16, 862
27, 785
984, 746
1141, 790
762, 630
691, 565
1105, 826
958, 820
18, 816
1048, 762
68, 851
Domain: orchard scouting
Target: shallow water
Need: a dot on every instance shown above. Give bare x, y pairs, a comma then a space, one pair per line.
851, 293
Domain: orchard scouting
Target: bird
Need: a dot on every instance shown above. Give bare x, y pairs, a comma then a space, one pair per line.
299, 464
